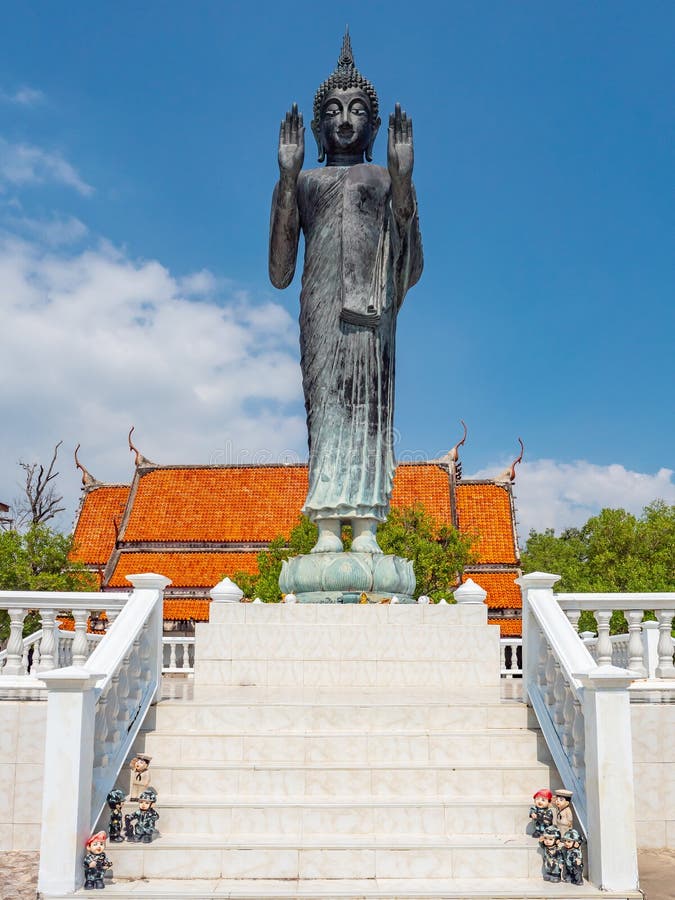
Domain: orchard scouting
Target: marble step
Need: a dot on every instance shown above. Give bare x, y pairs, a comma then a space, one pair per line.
297, 672
355, 889
328, 642
328, 856
365, 714
336, 614
283, 780
390, 746
300, 816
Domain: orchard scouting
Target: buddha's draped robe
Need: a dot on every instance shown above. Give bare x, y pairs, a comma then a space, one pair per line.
359, 263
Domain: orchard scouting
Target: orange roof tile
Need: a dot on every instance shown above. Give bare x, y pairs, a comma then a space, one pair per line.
426, 483
94, 537
185, 569
508, 627
485, 509
503, 592
187, 608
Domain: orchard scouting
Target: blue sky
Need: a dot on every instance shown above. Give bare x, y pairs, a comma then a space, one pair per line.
137, 160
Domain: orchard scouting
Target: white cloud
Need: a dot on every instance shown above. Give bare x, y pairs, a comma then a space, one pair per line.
22, 96
94, 342
26, 164
552, 494
55, 231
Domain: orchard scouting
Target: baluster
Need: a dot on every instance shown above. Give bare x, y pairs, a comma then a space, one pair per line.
559, 695
48, 650
567, 737
579, 740
604, 646
550, 679
664, 648
541, 665
172, 655
101, 731
502, 656
134, 677
123, 696
112, 710
80, 651
24, 656
112, 614
146, 674
14, 664
186, 654
573, 616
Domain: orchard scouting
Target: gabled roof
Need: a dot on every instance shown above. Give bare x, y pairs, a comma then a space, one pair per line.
503, 592
94, 537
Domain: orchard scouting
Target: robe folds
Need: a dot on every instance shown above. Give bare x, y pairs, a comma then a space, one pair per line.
359, 263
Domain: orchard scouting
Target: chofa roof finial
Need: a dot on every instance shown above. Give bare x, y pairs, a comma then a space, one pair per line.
454, 453
140, 460
88, 480
509, 475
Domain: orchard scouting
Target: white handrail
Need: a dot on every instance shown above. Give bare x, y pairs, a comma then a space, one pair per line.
94, 712
584, 713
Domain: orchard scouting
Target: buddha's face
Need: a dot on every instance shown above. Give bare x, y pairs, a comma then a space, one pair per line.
346, 123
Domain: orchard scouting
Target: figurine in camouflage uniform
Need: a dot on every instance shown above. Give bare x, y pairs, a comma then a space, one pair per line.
114, 800
95, 861
553, 855
139, 827
573, 863
541, 813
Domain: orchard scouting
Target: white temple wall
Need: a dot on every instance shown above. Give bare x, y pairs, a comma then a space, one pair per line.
653, 727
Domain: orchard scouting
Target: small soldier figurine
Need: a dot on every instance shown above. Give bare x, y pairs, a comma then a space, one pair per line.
553, 855
95, 861
562, 812
541, 812
139, 827
573, 863
115, 799
140, 776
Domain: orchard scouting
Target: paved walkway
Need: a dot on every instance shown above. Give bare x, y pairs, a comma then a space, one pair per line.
18, 875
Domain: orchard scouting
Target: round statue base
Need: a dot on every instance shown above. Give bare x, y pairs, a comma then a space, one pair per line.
345, 577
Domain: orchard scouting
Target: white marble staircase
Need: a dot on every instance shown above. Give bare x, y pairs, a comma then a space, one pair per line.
343, 751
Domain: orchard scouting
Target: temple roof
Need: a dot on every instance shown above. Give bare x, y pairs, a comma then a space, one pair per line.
95, 535
185, 569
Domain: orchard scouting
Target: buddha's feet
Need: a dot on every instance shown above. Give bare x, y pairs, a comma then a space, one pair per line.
365, 536
330, 536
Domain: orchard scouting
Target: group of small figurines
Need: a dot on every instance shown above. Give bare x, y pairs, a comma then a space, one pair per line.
137, 827
561, 843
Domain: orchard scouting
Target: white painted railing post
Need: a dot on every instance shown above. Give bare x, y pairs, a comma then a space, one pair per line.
665, 667
67, 785
150, 581
14, 664
612, 845
542, 582
650, 640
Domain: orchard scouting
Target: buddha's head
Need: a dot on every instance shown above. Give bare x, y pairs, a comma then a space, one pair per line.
345, 121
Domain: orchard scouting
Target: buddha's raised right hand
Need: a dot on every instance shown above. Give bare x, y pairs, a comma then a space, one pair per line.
291, 144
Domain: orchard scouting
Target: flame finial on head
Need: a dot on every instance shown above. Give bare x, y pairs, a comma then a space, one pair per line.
346, 75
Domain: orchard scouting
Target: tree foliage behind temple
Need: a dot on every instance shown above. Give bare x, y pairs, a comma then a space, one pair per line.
614, 551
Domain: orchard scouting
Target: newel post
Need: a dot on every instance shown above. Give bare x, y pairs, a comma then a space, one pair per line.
542, 582
154, 630
612, 844
67, 786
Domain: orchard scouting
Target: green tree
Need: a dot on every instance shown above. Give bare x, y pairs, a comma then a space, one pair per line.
438, 553
614, 551
38, 560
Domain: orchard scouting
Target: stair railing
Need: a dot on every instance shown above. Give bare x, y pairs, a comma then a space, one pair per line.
94, 712
583, 710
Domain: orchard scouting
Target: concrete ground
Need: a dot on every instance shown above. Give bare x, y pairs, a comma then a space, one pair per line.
18, 875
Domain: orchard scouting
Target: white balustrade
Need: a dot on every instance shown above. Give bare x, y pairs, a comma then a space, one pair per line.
510, 654
26, 660
637, 650
583, 710
94, 712
178, 655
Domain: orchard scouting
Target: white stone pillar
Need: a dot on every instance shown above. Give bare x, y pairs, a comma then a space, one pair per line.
532, 651
66, 793
151, 581
612, 845
650, 642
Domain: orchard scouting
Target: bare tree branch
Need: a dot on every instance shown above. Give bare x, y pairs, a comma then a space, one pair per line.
40, 500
